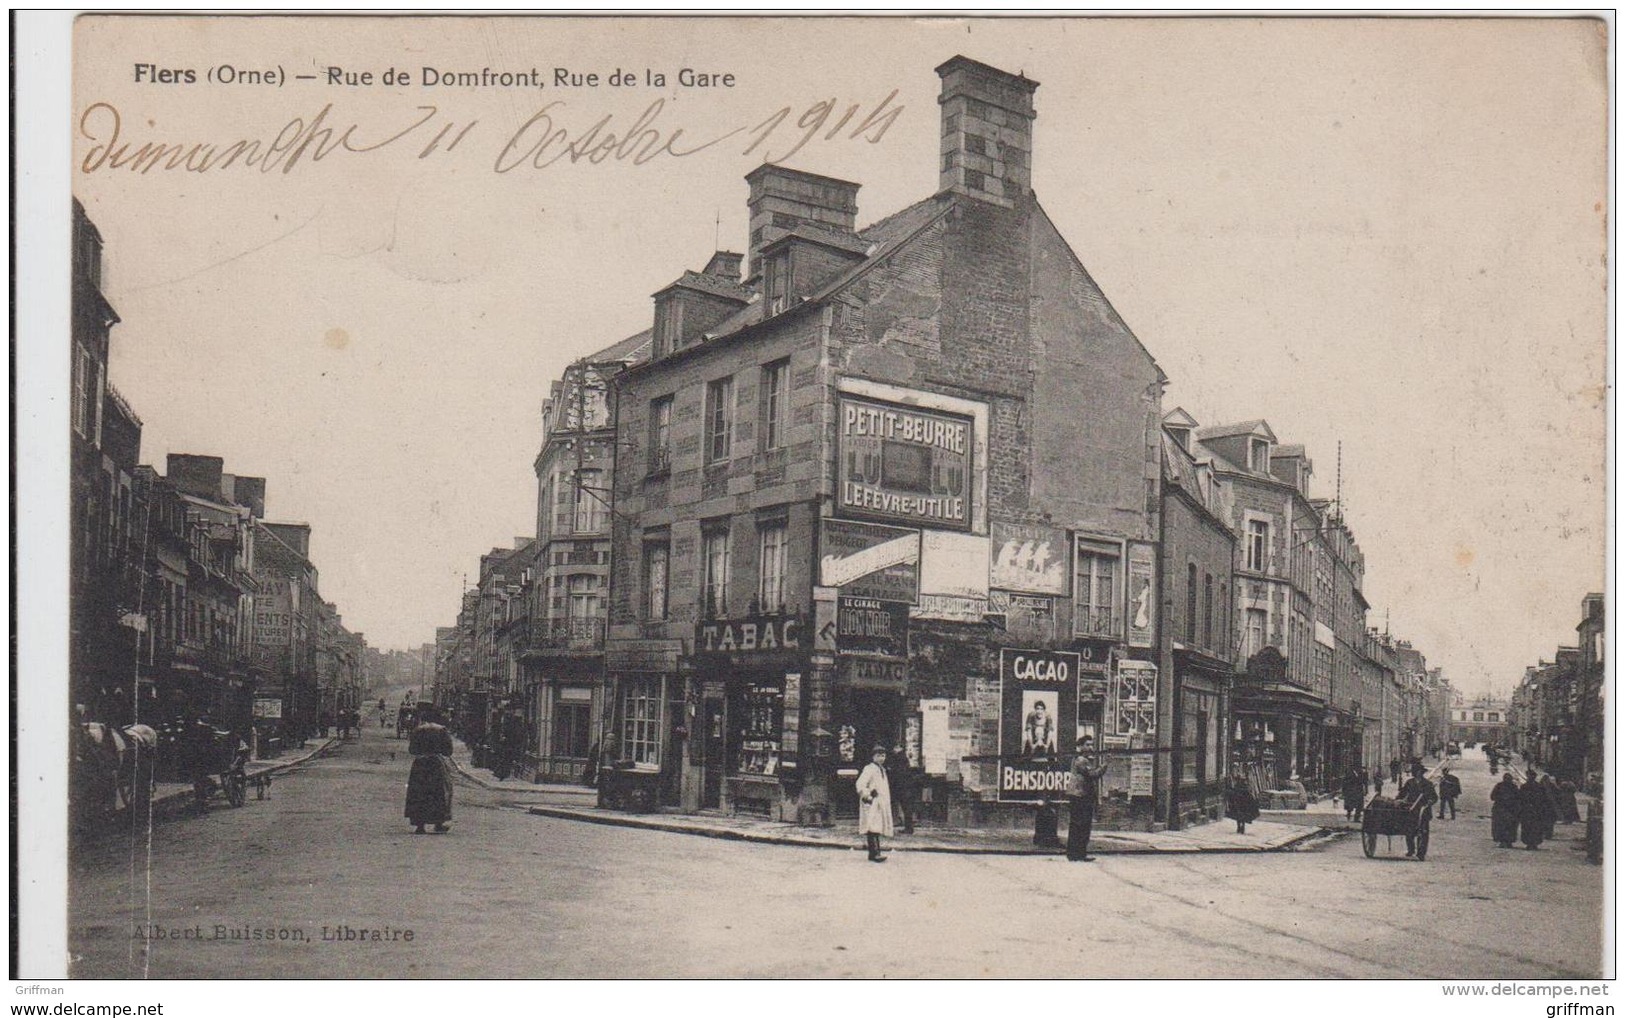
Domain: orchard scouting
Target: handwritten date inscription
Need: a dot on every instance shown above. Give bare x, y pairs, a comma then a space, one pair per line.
556, 132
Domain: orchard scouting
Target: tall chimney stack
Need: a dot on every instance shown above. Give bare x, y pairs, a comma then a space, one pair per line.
782, 199
987, 131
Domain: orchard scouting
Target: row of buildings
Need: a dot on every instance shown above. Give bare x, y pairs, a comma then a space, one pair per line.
914, 484
185, 601
1556, 717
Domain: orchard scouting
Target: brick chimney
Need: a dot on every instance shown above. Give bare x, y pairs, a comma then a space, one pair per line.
250, 492
987, 131
197, 475
782, 199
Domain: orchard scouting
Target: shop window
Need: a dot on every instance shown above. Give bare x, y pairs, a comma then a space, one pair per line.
1190, 740
760, 725
641, 721
572, 727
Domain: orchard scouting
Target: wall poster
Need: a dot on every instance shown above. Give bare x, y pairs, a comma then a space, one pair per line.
1038, 712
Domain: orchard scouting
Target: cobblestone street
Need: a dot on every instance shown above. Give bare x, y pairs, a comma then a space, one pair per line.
609, 898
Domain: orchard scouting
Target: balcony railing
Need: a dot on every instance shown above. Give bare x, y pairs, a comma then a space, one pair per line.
1097, 621
583, 634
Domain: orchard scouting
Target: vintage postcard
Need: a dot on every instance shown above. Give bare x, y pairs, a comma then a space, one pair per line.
824, 497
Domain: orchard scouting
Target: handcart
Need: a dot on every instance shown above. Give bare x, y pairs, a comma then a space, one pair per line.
1390, 817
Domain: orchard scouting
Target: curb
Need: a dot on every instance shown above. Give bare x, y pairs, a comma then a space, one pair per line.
725, 834
530, 789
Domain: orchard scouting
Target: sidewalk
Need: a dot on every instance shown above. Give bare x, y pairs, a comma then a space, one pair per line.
1219, 836
463, 759
581, 804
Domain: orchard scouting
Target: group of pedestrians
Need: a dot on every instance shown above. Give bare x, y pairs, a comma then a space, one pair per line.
889, 774
1529, 812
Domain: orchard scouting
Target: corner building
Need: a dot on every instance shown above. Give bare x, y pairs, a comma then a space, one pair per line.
897, 486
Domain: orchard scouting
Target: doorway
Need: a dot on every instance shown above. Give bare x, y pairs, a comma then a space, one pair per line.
714, 725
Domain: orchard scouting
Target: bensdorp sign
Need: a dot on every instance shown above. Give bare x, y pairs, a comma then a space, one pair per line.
1038, 721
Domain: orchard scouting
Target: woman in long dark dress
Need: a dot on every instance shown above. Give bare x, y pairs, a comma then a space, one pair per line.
1535, 813
428, 789
1504, 809
1239, 803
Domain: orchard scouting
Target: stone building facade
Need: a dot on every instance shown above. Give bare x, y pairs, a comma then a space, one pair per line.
899, 487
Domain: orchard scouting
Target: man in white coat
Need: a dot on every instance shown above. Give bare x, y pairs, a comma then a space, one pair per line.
874, 803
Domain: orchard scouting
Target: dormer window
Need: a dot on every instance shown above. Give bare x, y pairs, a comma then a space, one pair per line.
1182, 436
1259, 454
778, 282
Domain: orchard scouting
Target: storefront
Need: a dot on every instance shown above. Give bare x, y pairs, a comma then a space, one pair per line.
563, 702
645, 727
744, 692
1201, 687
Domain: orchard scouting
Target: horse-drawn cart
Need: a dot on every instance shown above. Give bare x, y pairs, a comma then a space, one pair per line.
1390, 817
220, 753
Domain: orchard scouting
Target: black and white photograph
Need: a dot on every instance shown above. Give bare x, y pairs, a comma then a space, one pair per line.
567, 498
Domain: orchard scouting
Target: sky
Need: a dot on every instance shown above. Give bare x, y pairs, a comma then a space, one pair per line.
1389, 234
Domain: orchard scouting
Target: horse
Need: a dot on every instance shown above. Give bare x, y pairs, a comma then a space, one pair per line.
112, 767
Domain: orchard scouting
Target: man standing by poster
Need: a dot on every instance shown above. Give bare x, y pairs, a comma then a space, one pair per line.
1083, 788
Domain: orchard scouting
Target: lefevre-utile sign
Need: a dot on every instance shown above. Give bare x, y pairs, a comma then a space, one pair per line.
904, 464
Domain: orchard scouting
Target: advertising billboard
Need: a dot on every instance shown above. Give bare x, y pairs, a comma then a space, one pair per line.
1038, 721
869, 560
1030, 559
904, 464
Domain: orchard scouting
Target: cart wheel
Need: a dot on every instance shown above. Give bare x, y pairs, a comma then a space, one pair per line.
1368, 841
1422, 845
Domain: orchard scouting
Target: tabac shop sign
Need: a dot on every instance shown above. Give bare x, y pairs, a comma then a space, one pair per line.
754, 634
904, 464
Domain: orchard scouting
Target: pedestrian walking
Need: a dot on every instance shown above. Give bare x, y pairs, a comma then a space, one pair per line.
1554, 795
429, 788
1534, 813
1353, 793
1504, 810
1449, 791
1569, 803
1240, 804
1083, 794
1418, 795
1376, 782
1393, 769
874, 803
901, 778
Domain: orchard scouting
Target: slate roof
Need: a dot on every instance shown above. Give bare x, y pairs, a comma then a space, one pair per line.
633, 348
709, 284
1231, 430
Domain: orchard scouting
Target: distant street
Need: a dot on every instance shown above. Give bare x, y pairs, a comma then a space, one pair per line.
507, 894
